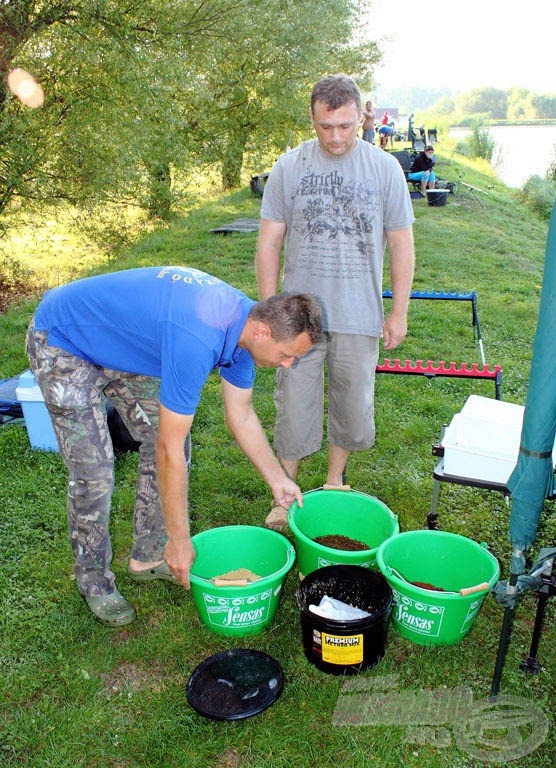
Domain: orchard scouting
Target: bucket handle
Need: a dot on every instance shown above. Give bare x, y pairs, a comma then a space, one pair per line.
328, 487
477, 588
229, 582
291, 558
484, 585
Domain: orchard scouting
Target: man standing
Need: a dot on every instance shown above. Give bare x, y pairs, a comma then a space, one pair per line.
334, 203
411, 130
369, 122
147, 339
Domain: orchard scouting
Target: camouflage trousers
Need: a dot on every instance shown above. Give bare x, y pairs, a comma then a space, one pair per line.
75, 394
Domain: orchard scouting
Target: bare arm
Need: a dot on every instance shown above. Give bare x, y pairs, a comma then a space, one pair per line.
246, 428
179, 553
267, 262
402, 265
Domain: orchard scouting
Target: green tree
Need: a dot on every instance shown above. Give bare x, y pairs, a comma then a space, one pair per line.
140, 93
444, 106
115, 122
544, 105
257, 81
487, 101
517, 103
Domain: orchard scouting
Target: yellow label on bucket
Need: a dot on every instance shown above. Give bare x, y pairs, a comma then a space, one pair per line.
342, 649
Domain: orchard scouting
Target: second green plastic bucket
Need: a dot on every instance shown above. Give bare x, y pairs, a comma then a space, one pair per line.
415, 561
352, 514
238, 611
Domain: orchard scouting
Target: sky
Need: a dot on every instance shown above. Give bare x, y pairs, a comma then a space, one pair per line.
466, 44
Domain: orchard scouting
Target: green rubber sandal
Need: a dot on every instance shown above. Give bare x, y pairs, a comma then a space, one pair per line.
111, 610
160, 571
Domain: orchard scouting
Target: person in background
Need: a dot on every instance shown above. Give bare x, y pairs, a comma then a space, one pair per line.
147, 339
369, 117
333, 204
422, 169
385, 119
386, 134
411, 130
422, 137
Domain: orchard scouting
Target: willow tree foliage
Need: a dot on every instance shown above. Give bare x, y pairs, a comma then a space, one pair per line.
260, 76
141, 92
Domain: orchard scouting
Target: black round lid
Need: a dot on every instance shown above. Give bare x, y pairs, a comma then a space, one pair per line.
235, 684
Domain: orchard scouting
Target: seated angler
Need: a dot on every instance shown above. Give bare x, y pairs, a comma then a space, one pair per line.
422, 169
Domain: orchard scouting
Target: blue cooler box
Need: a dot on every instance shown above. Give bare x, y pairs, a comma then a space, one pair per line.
37, 419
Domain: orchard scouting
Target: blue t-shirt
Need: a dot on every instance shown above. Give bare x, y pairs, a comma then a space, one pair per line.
173, 323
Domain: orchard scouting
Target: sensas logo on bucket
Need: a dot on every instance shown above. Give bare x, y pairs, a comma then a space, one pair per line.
238, 611
417, 616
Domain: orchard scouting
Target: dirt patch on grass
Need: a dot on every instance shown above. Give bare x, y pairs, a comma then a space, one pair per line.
228, 759
128, 677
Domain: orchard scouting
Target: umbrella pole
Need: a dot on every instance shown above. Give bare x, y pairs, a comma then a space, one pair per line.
504, 642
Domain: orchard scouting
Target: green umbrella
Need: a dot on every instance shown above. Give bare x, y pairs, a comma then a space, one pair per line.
532, 480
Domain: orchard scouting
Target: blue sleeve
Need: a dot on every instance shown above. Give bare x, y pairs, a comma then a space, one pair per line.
242, 372
186, 365
187, 362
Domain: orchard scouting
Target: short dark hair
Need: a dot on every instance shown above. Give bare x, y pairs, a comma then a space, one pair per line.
290, 314
429, 148
336, 91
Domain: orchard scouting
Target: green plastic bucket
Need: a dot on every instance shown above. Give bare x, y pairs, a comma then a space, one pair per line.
345, 513
238, 611
463, 568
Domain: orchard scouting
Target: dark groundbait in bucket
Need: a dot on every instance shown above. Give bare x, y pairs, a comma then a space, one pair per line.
352, 588
345, 647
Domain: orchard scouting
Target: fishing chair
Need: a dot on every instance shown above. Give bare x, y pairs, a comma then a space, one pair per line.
405, 159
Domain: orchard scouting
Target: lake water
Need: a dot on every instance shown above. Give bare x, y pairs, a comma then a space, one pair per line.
521, 150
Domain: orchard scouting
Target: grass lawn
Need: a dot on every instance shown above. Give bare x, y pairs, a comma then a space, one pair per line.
75, 694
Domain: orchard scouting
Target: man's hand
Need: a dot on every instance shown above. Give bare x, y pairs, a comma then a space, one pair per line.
180, 556
285, 492
394, 331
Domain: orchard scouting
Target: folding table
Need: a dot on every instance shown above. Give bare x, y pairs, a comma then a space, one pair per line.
440, 476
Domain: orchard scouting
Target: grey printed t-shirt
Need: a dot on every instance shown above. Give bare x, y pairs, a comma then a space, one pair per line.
337, 211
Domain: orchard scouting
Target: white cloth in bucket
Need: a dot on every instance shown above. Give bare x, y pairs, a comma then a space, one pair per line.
330, 608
